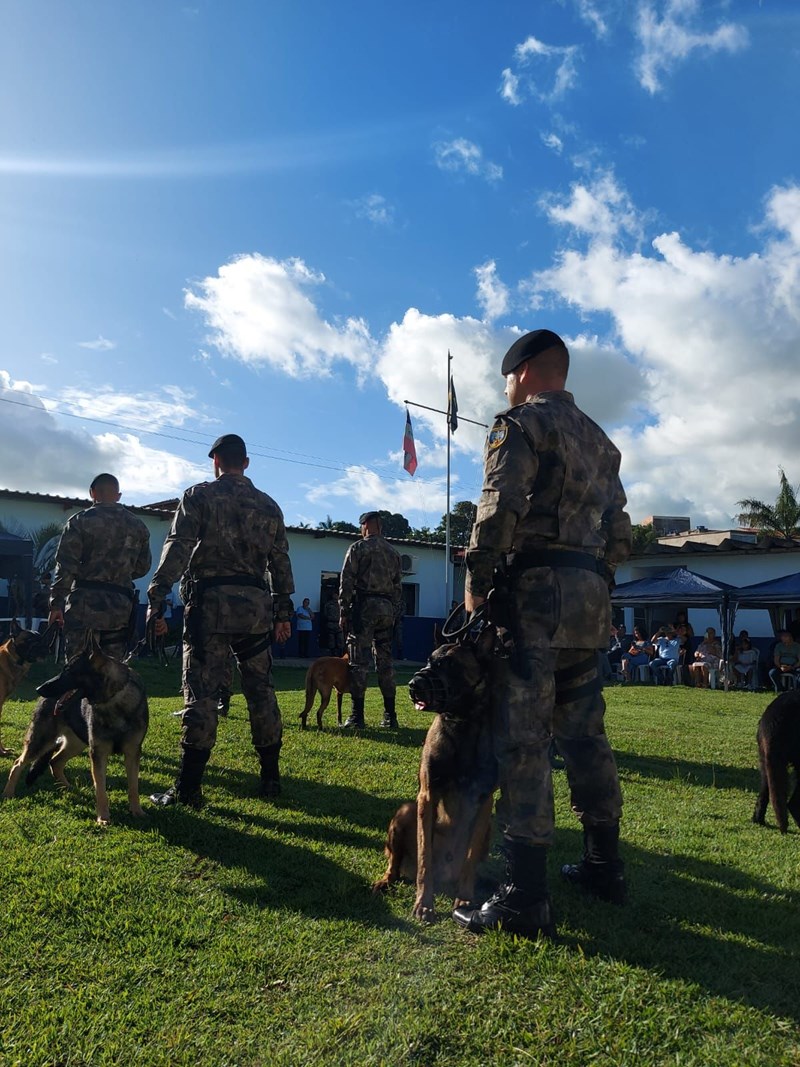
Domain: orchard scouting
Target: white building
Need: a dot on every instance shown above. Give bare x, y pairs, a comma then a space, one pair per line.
316, 557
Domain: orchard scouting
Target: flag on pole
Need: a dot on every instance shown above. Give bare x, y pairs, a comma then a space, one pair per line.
409, 448
452, 407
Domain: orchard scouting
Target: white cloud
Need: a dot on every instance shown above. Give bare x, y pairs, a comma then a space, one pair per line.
509, 87
363, 487
553, 141
463, 157
716, 339
39, 450
102, 344
556, 72
591, 13
668, 38
493, 295
260, 314
375, 208
599, 209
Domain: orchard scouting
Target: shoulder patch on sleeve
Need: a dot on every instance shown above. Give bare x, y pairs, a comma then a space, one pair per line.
497, 436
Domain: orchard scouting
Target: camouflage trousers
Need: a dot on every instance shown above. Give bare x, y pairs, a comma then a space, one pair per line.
202, 678
113, 642
372, 639
546, 693
106, 614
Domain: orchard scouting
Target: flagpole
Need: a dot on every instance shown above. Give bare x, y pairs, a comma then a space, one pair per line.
447, 520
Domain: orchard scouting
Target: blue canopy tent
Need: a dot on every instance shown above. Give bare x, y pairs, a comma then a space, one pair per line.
679, 585
778, 596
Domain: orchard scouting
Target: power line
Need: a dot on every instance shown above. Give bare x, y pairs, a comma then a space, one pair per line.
278, 455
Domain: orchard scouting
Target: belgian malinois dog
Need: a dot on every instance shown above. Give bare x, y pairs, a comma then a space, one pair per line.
323, 676
439, 840
95, 701
778, 739
22, 648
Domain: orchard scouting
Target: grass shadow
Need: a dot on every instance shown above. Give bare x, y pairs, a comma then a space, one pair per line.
716, 775
733, 934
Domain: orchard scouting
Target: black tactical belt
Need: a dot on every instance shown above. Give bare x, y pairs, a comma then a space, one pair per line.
108, 587
554, 558
201, 584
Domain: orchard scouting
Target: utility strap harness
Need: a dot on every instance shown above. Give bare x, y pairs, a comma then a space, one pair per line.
554, 558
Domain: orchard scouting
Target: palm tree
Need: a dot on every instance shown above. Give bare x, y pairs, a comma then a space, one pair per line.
781, 519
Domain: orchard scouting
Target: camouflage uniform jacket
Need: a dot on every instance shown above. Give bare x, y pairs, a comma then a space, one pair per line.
371, 568
228, 528
551, 481
104, 543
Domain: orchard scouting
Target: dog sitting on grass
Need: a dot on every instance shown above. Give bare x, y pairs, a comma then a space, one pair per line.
778, 739
323, 676
95, 701
22, 648
439, 840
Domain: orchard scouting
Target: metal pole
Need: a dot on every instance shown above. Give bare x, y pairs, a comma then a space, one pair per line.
447, 518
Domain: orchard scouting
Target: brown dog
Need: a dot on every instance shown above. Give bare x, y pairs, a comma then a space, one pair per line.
778, 739
439, 840
17, 654
95, 701
323, 676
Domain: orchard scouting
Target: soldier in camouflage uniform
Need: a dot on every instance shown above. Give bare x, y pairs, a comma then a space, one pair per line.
370, 604
225, 535
101, 551
549, 532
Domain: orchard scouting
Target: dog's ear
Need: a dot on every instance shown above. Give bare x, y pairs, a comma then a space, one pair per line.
14, 629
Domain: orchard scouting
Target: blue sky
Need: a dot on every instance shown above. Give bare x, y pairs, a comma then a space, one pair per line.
277, 218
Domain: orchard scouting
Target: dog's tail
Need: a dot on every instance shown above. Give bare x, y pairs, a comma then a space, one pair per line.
39, 766
311, 692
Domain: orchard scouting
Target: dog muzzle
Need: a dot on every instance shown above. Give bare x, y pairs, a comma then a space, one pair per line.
429, 691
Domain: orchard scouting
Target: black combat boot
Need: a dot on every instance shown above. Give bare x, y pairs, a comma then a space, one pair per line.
187, 785
601, 872
521, 905
270, 774
224, 705
356, 720
389, 721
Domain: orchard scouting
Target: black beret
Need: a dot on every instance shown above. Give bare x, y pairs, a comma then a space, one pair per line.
228, 441
367, 516
528, 346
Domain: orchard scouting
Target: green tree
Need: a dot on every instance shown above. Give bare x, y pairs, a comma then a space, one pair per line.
462, 517
642, 535
781, 519
394, 525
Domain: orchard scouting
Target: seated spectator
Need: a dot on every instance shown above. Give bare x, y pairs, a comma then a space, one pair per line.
786, 660
638, 654
616, 646
708, 655
667, 652
682, 620
744, 661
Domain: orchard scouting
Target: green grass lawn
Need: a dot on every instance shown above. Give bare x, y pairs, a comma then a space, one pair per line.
246, 934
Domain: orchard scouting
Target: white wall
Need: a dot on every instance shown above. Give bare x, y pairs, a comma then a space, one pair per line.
310, 554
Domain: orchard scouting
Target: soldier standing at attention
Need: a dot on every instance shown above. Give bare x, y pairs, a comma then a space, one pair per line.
101, 551
370, 603
549, 532
225, 535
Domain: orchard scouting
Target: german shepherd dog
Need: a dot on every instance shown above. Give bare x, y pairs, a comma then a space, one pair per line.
17, 654
778, 739
95, 701
439, 840
323, 676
